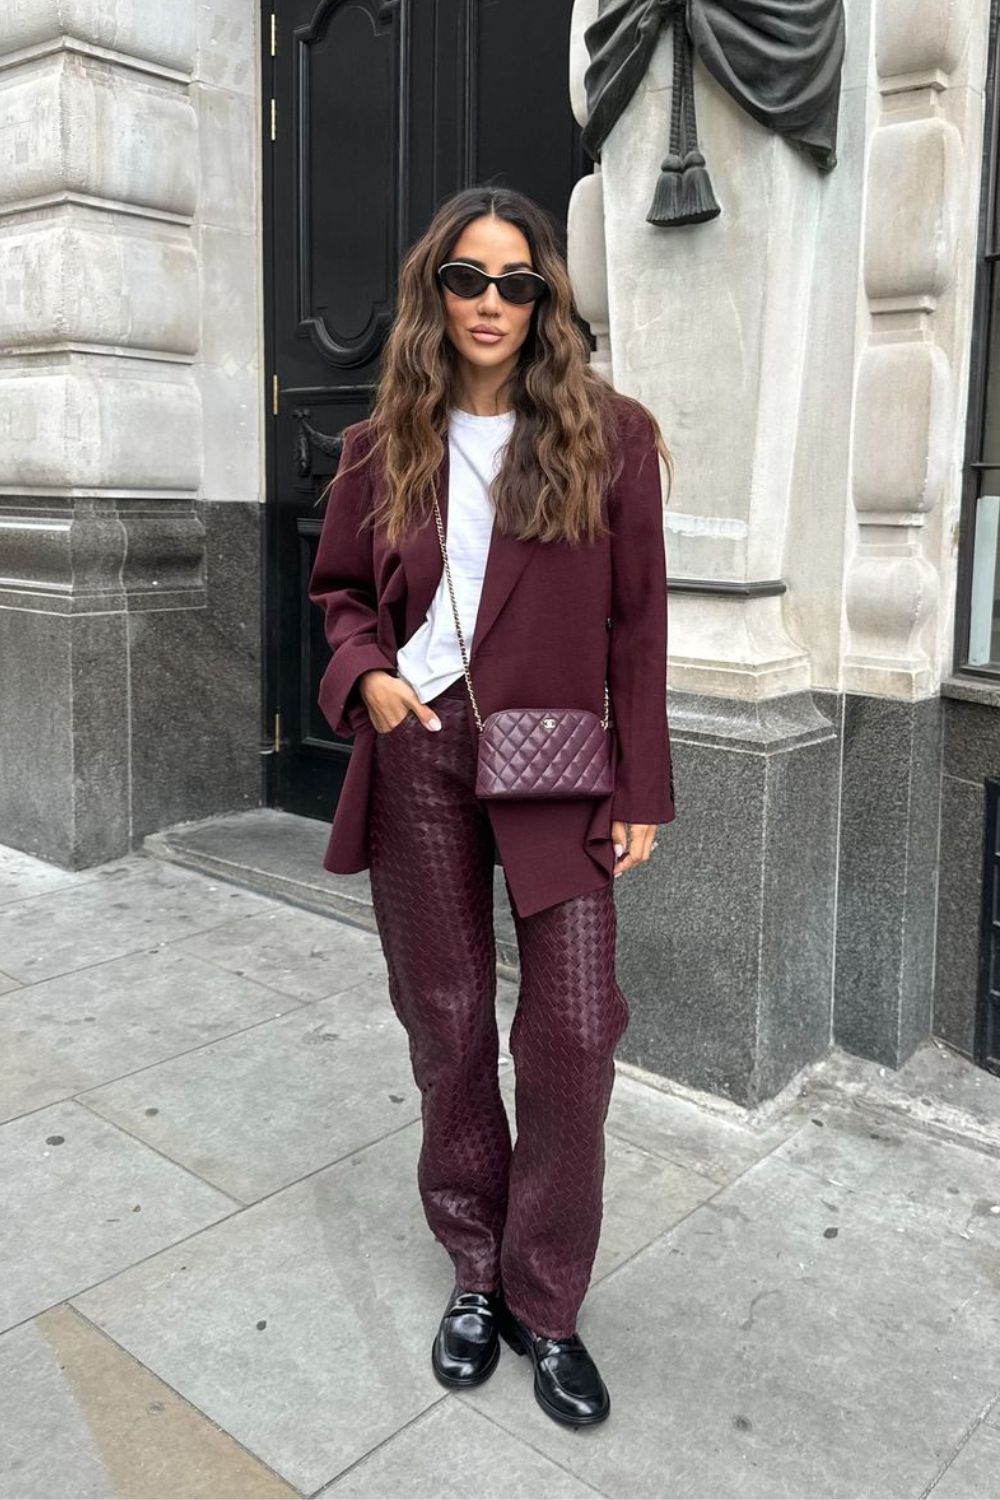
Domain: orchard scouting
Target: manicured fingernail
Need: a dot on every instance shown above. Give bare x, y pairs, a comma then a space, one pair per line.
433, 723
619, 850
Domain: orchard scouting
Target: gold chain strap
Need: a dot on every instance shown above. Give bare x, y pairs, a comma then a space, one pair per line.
454, 610
605, 722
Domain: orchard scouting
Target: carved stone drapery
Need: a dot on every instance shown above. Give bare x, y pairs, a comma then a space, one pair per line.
779, 59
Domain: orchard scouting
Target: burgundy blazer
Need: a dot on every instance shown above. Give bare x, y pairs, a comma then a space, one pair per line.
553, 619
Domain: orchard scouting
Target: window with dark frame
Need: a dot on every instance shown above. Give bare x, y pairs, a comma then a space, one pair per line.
977, 634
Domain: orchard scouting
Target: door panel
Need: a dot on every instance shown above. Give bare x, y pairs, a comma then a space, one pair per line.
382, 108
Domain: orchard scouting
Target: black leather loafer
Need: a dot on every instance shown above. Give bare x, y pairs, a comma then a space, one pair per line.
467, 1344
568, 1385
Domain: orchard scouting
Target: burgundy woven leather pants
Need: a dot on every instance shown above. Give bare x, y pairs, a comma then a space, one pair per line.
528, 1217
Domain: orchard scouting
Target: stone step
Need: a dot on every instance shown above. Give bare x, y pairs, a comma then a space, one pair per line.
280, 854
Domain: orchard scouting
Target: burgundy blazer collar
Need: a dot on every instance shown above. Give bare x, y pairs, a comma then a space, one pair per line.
420, 553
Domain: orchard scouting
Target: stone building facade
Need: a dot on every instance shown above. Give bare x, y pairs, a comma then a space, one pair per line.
812, 355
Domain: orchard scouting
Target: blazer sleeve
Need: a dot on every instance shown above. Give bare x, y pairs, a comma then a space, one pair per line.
637, 653
342, 583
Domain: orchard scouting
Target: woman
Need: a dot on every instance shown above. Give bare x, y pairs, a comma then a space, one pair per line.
548, 492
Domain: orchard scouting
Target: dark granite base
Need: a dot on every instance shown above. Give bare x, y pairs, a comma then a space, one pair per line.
64, 773
196, 686
888, 873
130, 671
797, 898
971, 753
726, 948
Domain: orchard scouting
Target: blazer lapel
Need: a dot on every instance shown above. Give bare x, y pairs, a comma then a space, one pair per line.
420, 553
504, 562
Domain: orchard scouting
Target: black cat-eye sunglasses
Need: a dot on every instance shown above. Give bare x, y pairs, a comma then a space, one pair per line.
466, 280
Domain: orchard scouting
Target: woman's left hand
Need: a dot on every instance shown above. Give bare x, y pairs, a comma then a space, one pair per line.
636, 842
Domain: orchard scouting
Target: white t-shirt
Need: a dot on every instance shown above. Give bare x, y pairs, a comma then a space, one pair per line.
431, 659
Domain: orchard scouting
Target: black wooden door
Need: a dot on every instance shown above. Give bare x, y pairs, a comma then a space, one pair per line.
381, 108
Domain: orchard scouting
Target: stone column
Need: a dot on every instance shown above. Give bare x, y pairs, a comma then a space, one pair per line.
117, 712
586, 252
910, 397
807, 354
740, 335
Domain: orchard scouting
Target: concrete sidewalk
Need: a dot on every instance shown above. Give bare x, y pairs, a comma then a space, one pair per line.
217, 1279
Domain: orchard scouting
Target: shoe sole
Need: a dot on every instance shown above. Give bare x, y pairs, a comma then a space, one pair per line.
456, 1384
513, 1339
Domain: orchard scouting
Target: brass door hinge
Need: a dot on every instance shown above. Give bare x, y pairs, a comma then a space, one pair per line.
274, 34
274, 120
274, 748
275, 395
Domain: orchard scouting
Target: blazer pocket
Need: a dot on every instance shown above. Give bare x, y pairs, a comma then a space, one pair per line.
384, 734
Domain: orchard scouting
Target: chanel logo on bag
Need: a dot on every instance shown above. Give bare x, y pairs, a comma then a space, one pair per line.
548, 723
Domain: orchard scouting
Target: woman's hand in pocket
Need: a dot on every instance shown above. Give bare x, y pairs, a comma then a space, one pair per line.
389, 699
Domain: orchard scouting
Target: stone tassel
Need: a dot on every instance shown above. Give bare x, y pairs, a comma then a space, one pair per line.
683, 193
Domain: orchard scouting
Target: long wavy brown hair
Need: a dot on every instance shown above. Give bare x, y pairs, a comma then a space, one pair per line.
561, 454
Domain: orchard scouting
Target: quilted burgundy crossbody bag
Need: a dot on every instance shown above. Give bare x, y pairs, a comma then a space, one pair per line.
536, 752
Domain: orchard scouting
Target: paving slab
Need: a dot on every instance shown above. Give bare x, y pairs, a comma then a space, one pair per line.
82, 1200
690, 1135
121, 909
303, 1325
935, 1086
452, 1453
295, 952
81, 1420
644, 1196
774, 1346
257, 1111
23, 876
975, 1472
806, 1308
927, 1182
80, 1030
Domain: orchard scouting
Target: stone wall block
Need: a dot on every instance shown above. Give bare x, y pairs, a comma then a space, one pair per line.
51, 552
129, 194
227, 45
162, 33
132, 284
902, 436
228, 143
165, 548
584, 12
915, 179
744, 644
94, 555
64, 792
587, 260
890, 600
906, 450
231, 275
80, 428
73, 125
97, 545
920, 35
